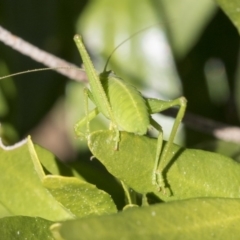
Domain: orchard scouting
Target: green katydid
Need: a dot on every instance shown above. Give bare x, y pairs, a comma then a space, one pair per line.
127, 110
125, 107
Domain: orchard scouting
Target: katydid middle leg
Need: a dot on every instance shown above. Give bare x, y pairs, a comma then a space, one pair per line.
81, 123
88, 117
84, 122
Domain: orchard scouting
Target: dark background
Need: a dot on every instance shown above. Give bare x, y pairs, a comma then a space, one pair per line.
27, 99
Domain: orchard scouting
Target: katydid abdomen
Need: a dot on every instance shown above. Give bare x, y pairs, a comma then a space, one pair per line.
128, 106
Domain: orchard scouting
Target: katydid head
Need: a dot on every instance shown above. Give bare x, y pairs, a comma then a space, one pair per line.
105, 74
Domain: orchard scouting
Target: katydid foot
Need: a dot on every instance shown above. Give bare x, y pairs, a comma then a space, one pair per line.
158, 181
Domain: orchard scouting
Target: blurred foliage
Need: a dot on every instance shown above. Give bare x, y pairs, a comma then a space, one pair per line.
204, 51
183, 47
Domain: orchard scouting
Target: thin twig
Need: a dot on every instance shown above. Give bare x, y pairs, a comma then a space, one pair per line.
218, 130
213, 128
70, 70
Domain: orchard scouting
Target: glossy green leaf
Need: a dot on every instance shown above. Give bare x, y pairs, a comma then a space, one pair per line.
232, 9
99, 176
53, 165
84, 170
187, 219
21, 227
79, 197
191, 173
4, 212
22, 192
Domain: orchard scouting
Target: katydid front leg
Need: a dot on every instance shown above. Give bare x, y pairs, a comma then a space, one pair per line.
98, 94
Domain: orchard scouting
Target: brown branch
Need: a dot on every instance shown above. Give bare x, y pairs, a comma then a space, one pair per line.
70, 70
213, 128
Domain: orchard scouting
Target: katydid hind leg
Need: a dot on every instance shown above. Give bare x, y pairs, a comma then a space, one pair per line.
182, 103
157, 177
162, 155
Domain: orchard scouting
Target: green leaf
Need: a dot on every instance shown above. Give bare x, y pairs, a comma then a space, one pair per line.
22, 192
79, 197
187, 219
82, 170
53, 165
99, 176
232, 9
21, 227
4, 212
190, 174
